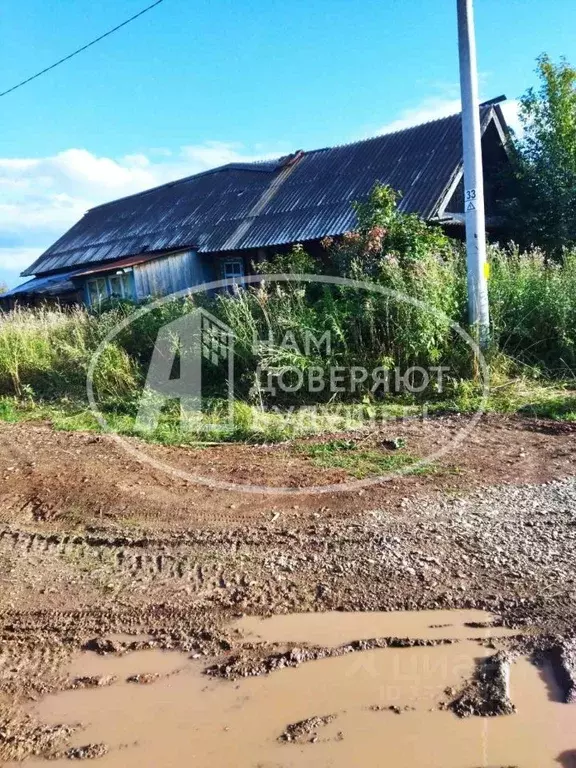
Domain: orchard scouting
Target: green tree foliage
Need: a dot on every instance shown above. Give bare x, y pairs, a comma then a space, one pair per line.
383, 235
543, 211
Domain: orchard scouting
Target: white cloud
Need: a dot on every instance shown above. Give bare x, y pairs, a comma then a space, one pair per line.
12, 259
40, 198
431, 108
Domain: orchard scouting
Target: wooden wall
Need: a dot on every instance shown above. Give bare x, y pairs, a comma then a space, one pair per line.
169, 274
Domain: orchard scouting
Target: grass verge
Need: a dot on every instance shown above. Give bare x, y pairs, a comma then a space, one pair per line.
251, 424
361, 463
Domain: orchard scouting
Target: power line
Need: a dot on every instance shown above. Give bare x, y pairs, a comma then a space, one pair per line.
79, 50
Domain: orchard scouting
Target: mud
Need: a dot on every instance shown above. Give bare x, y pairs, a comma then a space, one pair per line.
92, 681
282, 719
250, 663
306, 730
92, 666
145, 678
88, 752
60, 479
488, 693
110, 571
562, 659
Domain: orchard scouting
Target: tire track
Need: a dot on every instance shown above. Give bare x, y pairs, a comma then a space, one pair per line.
160, 560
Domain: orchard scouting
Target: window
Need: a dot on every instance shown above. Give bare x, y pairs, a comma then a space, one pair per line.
233, 271
118, 286
97, 290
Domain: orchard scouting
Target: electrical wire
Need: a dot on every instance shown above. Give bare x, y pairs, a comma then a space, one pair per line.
79, 50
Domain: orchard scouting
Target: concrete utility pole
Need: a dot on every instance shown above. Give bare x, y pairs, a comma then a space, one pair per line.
478, 310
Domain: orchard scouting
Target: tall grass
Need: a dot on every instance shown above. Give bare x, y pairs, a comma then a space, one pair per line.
287, 326
400, 258
533, 308
45, 353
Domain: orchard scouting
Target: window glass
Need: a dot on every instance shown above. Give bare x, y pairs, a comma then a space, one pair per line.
115, 283
115, 286
97, 290
233, 271
120, 286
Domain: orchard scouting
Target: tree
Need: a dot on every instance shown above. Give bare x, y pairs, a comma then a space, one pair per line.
3, 288
543, 207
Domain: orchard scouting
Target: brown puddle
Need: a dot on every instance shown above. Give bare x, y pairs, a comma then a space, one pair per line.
190, 719
123, 637
135, 663
339, 627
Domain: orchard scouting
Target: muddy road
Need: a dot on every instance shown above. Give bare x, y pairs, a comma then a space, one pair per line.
121, 587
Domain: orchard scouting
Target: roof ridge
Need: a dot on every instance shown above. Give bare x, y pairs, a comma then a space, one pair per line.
391, 133
276, 163
253, 165
483, 106
247, 166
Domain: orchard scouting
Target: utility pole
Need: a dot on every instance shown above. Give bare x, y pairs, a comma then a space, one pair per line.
478, 310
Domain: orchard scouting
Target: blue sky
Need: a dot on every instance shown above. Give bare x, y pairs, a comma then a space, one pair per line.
197, 83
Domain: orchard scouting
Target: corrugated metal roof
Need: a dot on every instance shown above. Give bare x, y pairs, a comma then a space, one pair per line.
129, 261
253, 205
54, 284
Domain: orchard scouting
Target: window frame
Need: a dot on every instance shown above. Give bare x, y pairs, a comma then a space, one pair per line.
125, 285
234, 280
97, 296
126, 279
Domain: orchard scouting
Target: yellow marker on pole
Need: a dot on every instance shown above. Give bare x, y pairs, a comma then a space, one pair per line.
487, 270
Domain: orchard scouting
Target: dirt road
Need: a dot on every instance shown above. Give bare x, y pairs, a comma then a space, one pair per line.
95, 545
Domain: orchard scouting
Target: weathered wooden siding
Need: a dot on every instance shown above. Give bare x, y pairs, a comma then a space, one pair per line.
169, 274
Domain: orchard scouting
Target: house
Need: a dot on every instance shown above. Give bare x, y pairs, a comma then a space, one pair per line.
216, 224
